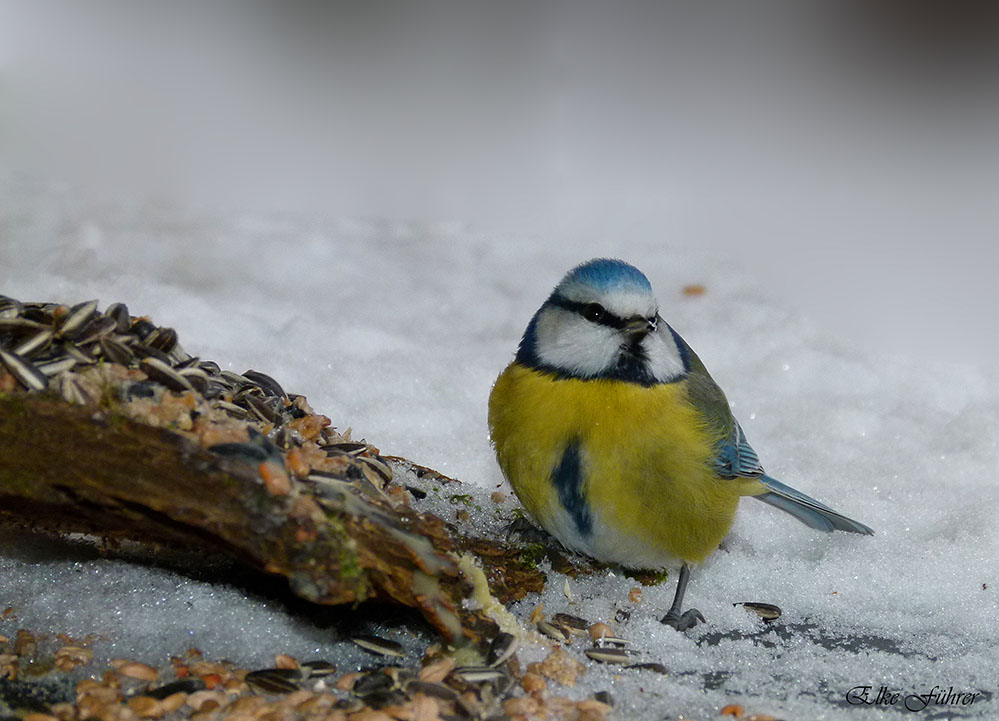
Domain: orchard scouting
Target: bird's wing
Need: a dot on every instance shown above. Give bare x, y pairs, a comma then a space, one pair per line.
736, 458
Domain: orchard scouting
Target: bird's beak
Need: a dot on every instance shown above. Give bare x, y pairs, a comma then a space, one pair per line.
637, 327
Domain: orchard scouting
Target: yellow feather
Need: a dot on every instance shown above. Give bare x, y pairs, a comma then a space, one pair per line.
647, 463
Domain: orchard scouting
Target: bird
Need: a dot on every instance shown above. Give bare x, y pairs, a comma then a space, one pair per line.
617, 440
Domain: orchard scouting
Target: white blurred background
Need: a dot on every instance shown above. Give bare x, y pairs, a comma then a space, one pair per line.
845, 154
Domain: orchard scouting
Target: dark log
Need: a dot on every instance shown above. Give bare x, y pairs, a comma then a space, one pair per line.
86, 469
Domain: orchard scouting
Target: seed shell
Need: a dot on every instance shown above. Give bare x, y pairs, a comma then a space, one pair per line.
766, 611
552, 631
274, 680
608, 655
574, 624
501, 648
163, 373
25, 371
379, 646
479, 674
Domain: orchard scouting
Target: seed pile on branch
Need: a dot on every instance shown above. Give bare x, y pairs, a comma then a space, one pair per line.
109, 427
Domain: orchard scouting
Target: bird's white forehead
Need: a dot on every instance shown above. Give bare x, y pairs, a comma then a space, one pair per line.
622, 301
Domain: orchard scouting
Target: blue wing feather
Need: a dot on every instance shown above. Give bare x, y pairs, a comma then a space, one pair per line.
737, 459
807, 510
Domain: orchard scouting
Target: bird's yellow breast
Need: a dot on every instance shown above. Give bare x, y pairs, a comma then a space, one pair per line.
645, 462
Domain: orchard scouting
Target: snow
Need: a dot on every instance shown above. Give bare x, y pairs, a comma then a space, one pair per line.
847, 269
356, 316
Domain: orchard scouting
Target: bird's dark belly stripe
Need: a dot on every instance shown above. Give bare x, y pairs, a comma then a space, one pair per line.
568, 479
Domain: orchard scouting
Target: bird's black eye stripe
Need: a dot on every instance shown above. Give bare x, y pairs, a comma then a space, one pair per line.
591, 311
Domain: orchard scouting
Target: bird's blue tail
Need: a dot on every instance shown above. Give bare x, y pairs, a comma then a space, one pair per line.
806, 509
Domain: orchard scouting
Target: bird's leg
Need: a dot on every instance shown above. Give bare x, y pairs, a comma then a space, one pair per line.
690, 617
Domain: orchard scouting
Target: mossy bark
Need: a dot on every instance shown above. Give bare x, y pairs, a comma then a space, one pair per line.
71, 468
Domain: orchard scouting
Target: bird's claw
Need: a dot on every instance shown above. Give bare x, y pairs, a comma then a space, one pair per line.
523, 531
683, 621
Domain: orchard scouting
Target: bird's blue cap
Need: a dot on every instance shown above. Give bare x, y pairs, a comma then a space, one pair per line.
605, 274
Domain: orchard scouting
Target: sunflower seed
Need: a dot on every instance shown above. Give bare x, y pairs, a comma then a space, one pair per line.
612, 641
210, 367
163, 339
479, 674
766, 611
372, 683
119, 313
261, 409
273, 680
99, 327
141, 328
196, 377
501, 648
552, 631
10, 308
71, 390
38, 340
24, 371
235, 379
318, 669
232, 409
382, 469
159, 371
380, 646
78, 315
250, 452
55, 367
573, 624
78, 353
344, 448
265, 382
608, 655
116, 351
147, 351
19, 324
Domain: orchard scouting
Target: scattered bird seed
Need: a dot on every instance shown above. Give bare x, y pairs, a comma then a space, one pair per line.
767, 611
501, 649
428, 688
24, 371
266, 383
274, 680
79, 315
318, 669
379, 646
552, 631
161, 372
479, 674
574, 624
608, 655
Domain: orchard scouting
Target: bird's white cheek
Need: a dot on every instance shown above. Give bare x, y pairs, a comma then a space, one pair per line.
575, 345
665, 361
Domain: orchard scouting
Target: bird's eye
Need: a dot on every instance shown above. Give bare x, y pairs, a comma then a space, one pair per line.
594, 312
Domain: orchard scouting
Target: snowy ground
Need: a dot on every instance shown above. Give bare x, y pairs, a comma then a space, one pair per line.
398, 330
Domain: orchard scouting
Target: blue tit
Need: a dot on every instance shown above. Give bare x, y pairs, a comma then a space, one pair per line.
617, 440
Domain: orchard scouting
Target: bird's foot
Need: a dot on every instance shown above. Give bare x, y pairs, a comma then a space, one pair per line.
523, 531
683, 621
